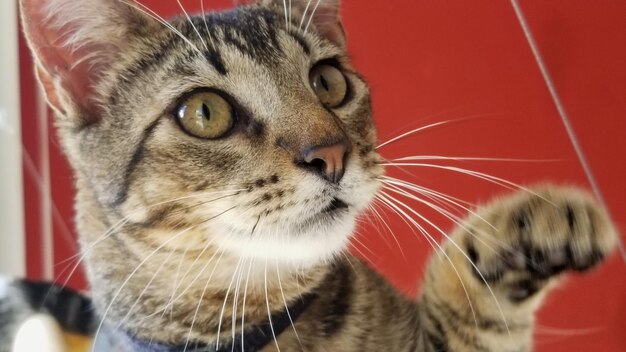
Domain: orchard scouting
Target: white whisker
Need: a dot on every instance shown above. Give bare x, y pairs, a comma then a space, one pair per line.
269, 313
438, 229
286, 14
355, 239
441, 251
175, 285
122, 222
306, 9
412, 225
206, 285
230, 285
282, 292
413, 131
436, 195
431, 126
117, 293
547, 330
483, 176
456, 220
143, 292
192, 25
386, 224
149, 12
312, 15
172, 301
243, 310
235, 305
206, 24
374, 219
454, 158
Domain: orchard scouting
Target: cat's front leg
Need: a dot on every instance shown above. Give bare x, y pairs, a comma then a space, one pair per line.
482, 290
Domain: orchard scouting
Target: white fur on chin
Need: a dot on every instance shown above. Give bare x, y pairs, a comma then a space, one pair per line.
304, 249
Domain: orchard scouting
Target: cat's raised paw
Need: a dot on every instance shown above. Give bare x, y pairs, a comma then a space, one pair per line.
522, 240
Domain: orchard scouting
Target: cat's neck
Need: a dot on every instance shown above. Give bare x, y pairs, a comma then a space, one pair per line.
206, 303
164, 293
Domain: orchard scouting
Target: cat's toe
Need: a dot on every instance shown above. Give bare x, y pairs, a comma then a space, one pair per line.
589, 238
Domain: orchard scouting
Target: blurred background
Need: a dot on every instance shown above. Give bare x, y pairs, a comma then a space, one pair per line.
465, 69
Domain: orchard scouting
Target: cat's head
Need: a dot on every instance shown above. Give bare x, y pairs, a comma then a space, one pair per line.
247, 130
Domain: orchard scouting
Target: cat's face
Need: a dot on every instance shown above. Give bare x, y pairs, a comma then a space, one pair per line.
248, 134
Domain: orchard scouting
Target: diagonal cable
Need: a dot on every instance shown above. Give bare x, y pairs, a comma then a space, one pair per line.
563, 113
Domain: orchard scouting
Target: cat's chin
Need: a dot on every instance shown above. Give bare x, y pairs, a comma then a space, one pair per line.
303, 245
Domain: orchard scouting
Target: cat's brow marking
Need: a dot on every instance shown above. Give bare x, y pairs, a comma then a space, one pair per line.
136, 158
299, 38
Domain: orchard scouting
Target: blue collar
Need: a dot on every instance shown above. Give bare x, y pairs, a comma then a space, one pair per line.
255, 337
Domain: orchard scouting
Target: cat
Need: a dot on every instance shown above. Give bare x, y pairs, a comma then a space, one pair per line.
221, 162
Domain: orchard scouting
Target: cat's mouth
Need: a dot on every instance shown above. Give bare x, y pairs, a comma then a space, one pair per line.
336, 205
334, 210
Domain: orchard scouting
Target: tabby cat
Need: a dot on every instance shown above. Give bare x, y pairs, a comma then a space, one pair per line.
221, 162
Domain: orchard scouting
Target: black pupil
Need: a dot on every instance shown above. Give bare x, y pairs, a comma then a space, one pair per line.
206, 112
324, 83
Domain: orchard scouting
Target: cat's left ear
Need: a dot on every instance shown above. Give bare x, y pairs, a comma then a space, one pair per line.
74, 43
321, 16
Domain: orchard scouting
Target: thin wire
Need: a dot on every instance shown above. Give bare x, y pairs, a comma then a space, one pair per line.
47, 206
563, 114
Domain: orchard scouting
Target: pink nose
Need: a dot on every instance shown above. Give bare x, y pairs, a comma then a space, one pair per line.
327, 161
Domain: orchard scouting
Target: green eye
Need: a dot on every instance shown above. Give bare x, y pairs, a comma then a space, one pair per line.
329, 84
206, 115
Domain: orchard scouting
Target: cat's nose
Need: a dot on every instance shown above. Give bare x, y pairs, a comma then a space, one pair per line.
329, 161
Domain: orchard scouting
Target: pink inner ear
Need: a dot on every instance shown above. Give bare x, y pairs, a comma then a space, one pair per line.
75, 75
60, 67
334, 32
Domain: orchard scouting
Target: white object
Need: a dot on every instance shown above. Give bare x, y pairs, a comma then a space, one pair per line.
39, 333
12, 253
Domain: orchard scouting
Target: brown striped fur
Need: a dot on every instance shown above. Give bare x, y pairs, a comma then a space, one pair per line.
174, 228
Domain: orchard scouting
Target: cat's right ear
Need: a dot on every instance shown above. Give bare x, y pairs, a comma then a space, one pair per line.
73, 43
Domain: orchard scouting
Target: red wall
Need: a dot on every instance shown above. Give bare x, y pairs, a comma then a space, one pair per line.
468, 61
